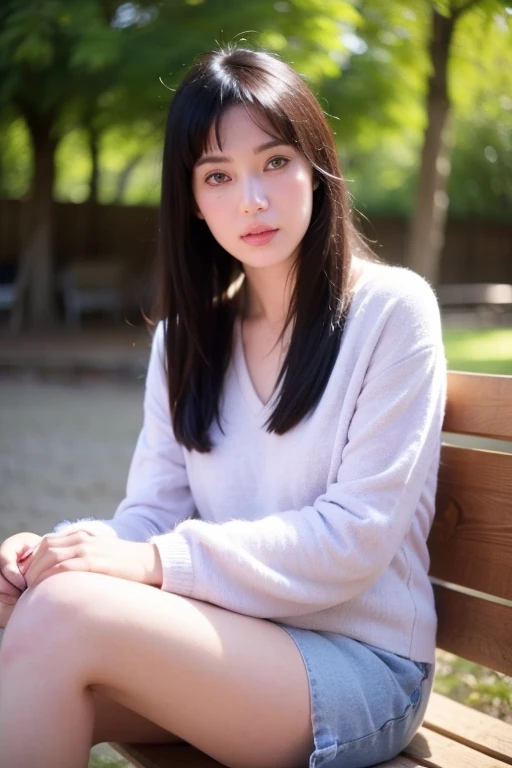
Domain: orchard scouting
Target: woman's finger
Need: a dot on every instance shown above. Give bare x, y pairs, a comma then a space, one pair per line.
51, 550
62, 539
10, 573
50, 556
134, 561
34, 577
68, 530
7, 589
11, 550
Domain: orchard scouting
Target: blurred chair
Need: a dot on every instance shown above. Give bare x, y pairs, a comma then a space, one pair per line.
8, 276
89, 286
492, 300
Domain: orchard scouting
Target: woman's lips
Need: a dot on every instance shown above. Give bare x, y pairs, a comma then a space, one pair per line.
262, 238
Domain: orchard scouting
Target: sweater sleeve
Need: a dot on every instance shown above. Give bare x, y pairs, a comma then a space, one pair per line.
309, 559
157, 493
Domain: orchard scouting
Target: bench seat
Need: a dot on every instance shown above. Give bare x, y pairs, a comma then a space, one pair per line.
452, 736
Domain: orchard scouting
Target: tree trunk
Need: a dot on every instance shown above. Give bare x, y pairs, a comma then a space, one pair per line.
3, 191
95, 166
35, 284
426, 235
91, 241
124, 178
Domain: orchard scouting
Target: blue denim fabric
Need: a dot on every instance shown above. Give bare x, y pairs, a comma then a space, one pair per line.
366, 703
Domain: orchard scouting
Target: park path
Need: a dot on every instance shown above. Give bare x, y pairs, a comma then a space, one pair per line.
65, 449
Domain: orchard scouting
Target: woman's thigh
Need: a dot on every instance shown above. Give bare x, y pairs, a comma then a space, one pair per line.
234, 686
114, 722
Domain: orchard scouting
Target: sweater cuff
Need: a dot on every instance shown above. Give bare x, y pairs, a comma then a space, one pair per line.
89, 525
178, 574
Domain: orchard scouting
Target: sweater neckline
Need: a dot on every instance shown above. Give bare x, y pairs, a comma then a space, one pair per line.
251, 397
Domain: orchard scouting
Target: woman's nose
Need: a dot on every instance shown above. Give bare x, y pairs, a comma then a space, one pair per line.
253, 196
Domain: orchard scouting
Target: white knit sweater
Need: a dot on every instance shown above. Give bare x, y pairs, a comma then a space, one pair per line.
324, 527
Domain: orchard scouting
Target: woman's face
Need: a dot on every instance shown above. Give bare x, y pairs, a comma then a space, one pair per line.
255, 183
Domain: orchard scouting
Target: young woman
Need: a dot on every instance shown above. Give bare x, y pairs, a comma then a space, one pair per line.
282, 487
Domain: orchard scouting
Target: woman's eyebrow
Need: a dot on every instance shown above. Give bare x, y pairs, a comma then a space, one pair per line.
226, 159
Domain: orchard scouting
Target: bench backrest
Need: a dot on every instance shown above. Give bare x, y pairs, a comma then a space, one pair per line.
95, 275
471, 539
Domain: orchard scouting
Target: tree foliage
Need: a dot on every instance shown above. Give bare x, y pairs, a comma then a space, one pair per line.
377, 103
94, 79
102, 62
382, 116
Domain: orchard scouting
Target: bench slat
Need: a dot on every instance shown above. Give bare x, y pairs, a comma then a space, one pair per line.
470, 727
428, 749
153, 756
165, 756
471, 538
177, 756
479, 404
401, 762
476, 629
433, 750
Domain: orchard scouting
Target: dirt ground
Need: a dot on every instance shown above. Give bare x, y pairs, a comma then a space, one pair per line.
65, 450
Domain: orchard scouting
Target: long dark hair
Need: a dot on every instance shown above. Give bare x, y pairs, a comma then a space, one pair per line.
195, 275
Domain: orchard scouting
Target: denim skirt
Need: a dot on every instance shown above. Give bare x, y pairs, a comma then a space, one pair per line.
366, 703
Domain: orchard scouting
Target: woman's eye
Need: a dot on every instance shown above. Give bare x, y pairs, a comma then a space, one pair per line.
215, 178
278, 162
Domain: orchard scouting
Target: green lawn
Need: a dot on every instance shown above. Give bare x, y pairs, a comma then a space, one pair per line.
477, 687
481, 351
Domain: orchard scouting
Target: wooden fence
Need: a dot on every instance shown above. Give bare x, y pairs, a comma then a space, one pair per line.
474, 251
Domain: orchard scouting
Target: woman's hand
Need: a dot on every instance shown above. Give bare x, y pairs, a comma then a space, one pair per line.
81, 551
9, 596
12, 583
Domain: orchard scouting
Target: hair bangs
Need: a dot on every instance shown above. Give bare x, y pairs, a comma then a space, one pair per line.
263, 97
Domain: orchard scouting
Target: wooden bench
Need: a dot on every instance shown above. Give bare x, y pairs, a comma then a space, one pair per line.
94, 286
492, 300
471, 569
8, 276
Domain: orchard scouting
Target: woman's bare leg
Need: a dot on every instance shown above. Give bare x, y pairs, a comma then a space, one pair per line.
232, 685
113, 722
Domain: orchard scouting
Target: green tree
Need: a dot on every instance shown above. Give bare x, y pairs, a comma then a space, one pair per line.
459, 29
101, 61
51, 62
106, 69
413, 65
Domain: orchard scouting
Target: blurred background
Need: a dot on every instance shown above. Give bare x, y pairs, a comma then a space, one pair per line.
419, 95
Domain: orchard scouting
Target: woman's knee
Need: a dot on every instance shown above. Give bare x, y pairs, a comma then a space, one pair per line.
47, 618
